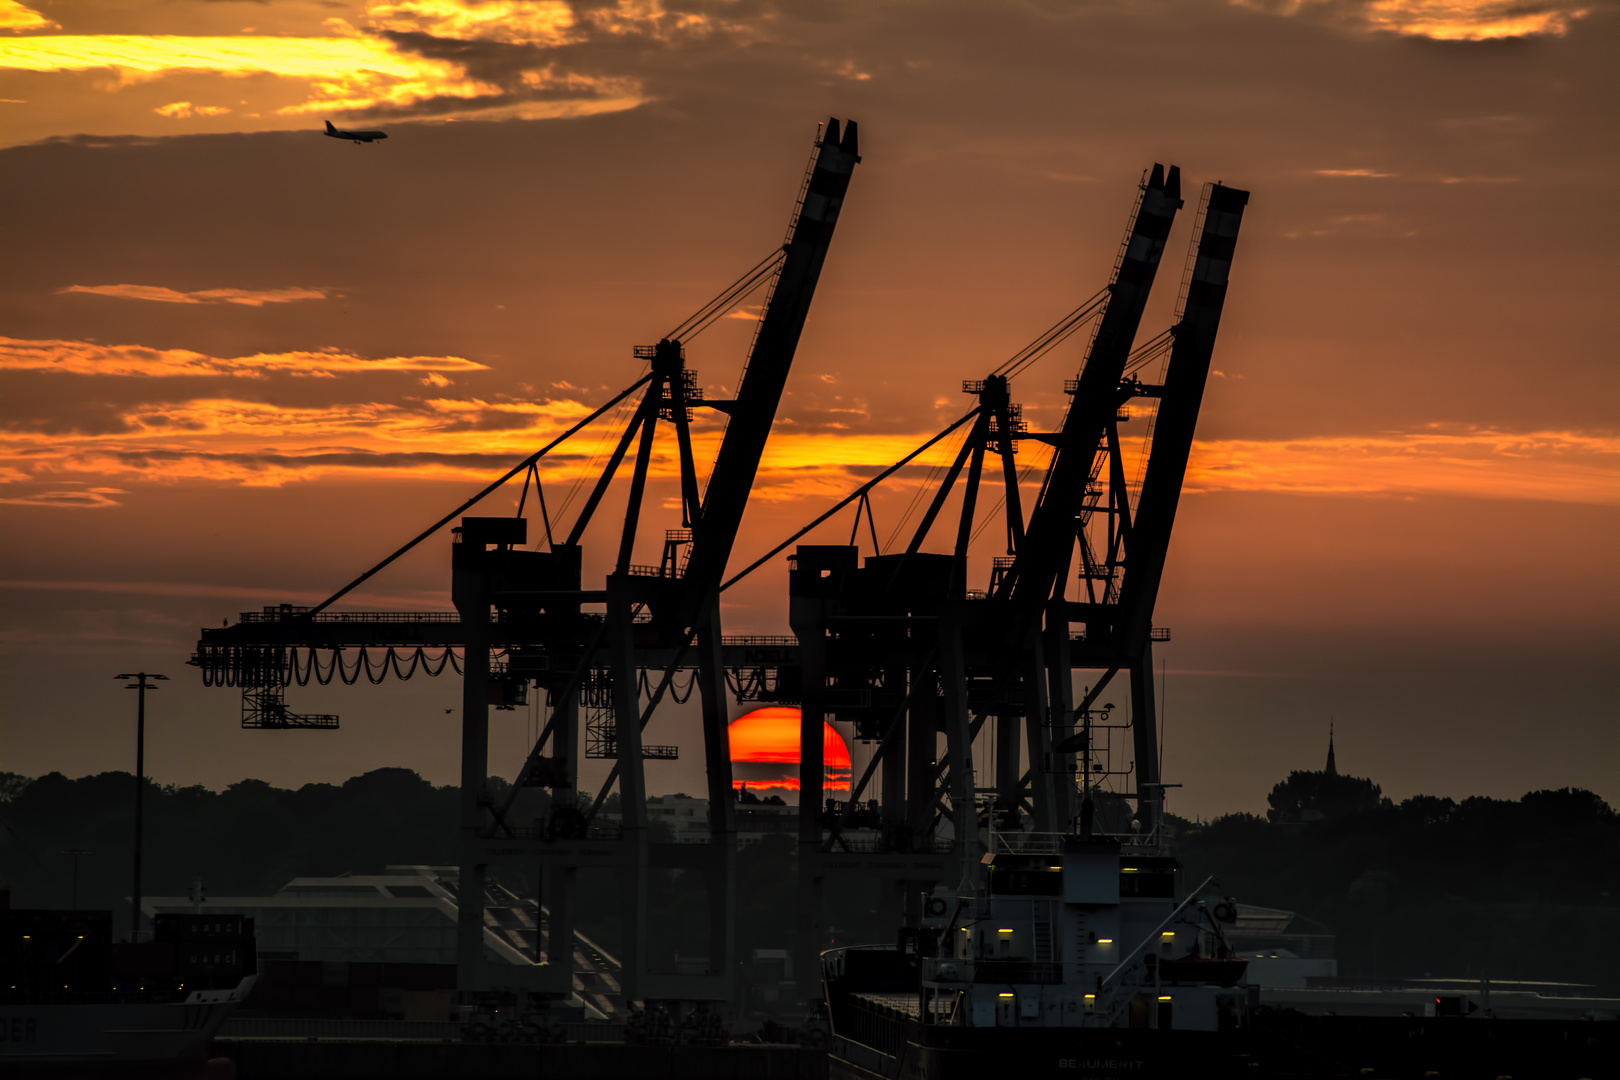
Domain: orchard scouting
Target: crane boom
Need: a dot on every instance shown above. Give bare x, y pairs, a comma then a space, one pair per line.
760, 390
1050, 536
1180, 396
1179, 400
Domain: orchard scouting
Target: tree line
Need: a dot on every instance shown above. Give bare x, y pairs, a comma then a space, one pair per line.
1517, 889
1513, 889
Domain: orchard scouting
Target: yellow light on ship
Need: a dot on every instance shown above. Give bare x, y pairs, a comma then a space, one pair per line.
1164, 997
1004, 931
1003, 995
1168, 933
1105, 941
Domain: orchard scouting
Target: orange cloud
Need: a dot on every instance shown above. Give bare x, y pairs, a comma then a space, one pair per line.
1558, 466
651, 19
224, 439
524, 22
80, 498
89, 358
185, 110
146, 55
344, 73
247, 297
15, 17
354, 69
1440, 20
260, 444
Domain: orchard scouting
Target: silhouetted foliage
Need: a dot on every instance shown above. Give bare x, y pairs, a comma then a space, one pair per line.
1310, 796
252, 838
249, 839
1523, 890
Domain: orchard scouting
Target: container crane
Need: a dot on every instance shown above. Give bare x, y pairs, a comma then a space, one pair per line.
901, 649
521, 620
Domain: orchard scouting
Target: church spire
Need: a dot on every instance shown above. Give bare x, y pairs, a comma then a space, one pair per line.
1332, 769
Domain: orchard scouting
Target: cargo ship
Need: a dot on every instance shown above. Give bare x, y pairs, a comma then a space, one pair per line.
1079, 956
75, 1004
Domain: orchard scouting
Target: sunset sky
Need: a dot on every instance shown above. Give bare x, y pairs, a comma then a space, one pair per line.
239, 361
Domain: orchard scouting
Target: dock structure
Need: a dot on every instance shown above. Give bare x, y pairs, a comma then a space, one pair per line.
904, 650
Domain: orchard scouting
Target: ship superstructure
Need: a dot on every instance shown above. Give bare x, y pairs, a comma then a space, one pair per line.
1071, 932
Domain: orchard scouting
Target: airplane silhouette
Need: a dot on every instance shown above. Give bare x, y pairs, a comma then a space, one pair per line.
356, 137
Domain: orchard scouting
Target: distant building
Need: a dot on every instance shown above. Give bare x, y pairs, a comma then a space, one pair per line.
757, 818
406, 916
403, 920
1283, 948
687, 818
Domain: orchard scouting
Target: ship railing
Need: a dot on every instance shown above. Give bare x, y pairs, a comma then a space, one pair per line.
26, 996
287, 613
1040, 972
1025, 843
776, 640
870, 841
611, 831
1051, 843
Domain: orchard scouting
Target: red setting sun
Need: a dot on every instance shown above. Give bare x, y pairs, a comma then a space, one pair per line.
765, 751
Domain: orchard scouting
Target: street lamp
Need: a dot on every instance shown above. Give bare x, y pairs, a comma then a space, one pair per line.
140, 686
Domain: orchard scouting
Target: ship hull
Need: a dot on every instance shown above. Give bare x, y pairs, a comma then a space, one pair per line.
1276, 1045
123, 1039
1044, 1054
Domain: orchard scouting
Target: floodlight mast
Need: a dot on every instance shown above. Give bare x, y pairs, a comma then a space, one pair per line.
140, 686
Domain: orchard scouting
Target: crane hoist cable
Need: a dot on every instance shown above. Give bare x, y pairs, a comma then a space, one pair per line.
1139, 357
995, 511
699, 321
728, 298
520, 467
927, 485
1150, 350
851, 497
622, 418
1019, 362
1055, 335
706, 316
